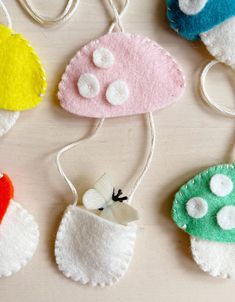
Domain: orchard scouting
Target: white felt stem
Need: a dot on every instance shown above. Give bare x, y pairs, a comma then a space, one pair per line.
69, 147
67, 13
118, 16
220, 108
215, 258
9, 22
149, 157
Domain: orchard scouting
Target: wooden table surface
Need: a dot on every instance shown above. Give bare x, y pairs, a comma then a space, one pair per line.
190, 137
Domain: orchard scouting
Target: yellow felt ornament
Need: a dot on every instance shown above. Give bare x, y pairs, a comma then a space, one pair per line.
23, 80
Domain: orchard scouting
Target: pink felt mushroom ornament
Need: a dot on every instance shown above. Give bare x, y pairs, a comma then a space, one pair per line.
117, 75
120, 74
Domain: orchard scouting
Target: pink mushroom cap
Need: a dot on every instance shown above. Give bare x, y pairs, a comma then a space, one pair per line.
120, 74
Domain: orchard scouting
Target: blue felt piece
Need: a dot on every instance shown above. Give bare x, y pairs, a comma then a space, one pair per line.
189, 27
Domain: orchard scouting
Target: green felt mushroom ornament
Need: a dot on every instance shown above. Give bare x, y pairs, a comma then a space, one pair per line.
205, 209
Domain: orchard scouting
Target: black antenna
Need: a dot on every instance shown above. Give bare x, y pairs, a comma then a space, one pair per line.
118, 196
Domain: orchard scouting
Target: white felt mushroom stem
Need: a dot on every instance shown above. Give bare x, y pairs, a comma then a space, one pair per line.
67, 13
215, 258
7, 120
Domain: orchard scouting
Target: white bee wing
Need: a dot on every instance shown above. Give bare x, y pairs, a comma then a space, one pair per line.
192, 7
120, 212
93, 200
104, 187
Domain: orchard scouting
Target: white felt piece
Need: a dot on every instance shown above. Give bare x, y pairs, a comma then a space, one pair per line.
7, 120
192, 7
103, 58
93, 250
88, 85
105, 187
120, 212
197, 207
226, 217
215, 258
221, 185
92, 200
19, 238
117, 93
220, 42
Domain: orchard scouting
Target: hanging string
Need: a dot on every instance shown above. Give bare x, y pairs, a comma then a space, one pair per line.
149, 157
7, 15
69, 147
91, 135
117, 16
220, 108
68, 12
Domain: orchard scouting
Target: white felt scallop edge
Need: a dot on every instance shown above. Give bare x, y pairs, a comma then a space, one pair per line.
204, 266
25, 214
60, 233
85, 48
212, 47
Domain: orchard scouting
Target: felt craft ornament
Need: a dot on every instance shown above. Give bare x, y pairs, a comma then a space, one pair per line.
23, 81
120, 74
205, 209
211, 21
19, 233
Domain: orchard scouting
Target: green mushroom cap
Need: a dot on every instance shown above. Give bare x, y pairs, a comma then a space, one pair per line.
205, 206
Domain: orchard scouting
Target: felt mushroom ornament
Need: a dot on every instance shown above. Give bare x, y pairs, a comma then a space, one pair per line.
205, 209
23, 81
118, 75
212, 22
19, 233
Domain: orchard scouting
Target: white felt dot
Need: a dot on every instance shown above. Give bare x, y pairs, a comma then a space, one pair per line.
197, 207
88, 85
192, 7
103, 58
221, 185
226, 218
117, 93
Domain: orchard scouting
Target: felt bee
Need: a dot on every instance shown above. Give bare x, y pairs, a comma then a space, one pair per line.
111, 206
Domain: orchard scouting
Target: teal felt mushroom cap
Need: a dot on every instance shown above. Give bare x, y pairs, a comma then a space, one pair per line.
205, 206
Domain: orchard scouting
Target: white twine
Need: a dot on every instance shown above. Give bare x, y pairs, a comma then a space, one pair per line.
67, 13
69, 147
149, 157
219, 108
118, 16
6, 13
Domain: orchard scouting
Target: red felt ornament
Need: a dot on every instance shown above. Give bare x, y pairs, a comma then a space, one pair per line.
6, 194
